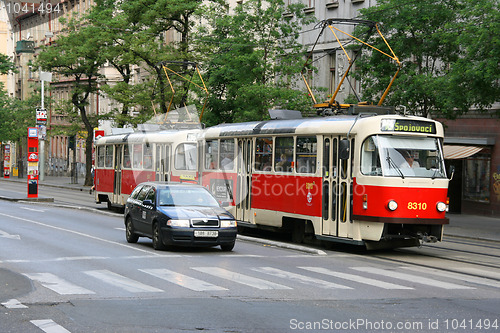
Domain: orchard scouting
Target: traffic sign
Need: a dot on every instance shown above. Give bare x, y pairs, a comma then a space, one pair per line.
41, 116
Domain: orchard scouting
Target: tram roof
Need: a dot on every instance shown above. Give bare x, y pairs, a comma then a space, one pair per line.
288, 126
317, 125
139, 137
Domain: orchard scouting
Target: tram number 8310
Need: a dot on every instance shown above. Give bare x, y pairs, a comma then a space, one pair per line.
417, 205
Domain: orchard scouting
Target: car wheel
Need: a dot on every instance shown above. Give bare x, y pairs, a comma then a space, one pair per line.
157, 238
129, 232
227, 247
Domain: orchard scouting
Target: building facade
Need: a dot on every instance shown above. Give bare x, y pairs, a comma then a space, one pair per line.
472, 148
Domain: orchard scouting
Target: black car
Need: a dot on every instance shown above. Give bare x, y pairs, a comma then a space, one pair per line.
178, 214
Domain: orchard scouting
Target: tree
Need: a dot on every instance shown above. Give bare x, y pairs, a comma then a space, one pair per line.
6, 65
134, 33
251, 53
148, 21
449, 51
77, 56
15, 115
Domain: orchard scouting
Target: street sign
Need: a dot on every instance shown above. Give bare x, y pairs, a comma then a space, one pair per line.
41, 116
33, 162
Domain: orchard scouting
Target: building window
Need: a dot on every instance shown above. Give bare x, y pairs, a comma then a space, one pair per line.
477, 177
333, 73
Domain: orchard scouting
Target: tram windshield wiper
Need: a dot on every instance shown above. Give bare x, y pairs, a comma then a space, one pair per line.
394, 166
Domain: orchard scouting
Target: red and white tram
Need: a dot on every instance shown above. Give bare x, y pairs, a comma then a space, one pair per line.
125, 160
374, 180
341, 178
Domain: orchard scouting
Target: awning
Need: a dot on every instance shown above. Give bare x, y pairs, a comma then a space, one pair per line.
458, 152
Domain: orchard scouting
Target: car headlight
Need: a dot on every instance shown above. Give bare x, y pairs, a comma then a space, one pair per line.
227, 223
178, 223
392, 205
441, 206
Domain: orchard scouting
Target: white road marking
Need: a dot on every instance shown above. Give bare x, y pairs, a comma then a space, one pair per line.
80, 234
123, 282
182, 280
34, 209
14, 304
356, 278
57, 284
49, 326
299, 278
456, 276
240, 278
5, 234
410, 277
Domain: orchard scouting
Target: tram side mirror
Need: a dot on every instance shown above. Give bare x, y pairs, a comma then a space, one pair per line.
344, 150
451, 171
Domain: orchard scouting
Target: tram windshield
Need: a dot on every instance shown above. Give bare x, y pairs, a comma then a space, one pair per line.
396, 156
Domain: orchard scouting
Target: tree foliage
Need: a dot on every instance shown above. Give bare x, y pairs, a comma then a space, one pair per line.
77, 56
449, 51
249, 56
15, 115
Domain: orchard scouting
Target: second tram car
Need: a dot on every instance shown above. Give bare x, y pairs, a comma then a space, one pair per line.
366, 179
125, 160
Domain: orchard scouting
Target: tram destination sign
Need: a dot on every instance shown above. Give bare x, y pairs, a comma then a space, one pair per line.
407, 125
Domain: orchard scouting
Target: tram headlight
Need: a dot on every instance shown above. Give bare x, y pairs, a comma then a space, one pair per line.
392, 205
441, 206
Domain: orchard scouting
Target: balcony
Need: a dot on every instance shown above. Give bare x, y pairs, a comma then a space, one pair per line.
25, 46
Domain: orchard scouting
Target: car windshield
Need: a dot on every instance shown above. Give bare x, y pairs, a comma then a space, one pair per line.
395, 156
184, 196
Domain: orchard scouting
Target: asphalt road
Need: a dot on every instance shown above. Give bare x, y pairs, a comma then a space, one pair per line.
69, 270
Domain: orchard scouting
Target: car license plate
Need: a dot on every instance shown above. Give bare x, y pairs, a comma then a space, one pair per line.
206, 233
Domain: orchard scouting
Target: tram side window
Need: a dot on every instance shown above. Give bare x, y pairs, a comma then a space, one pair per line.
109, 157
101, 153
283, 154
263, 154
212, 155
306, 154
137, 156
227, 154
126, 156
185, 156
148, 157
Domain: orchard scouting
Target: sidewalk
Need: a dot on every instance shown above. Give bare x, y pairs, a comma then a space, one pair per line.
461, 225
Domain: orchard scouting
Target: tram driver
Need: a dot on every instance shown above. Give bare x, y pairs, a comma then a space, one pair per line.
409, 162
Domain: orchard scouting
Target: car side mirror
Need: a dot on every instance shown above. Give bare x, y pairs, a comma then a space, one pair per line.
225, 204
344, 149
147, 202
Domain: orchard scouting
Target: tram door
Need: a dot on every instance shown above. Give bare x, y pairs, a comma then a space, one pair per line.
117, 183
162, 164
336, 189
244, 174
